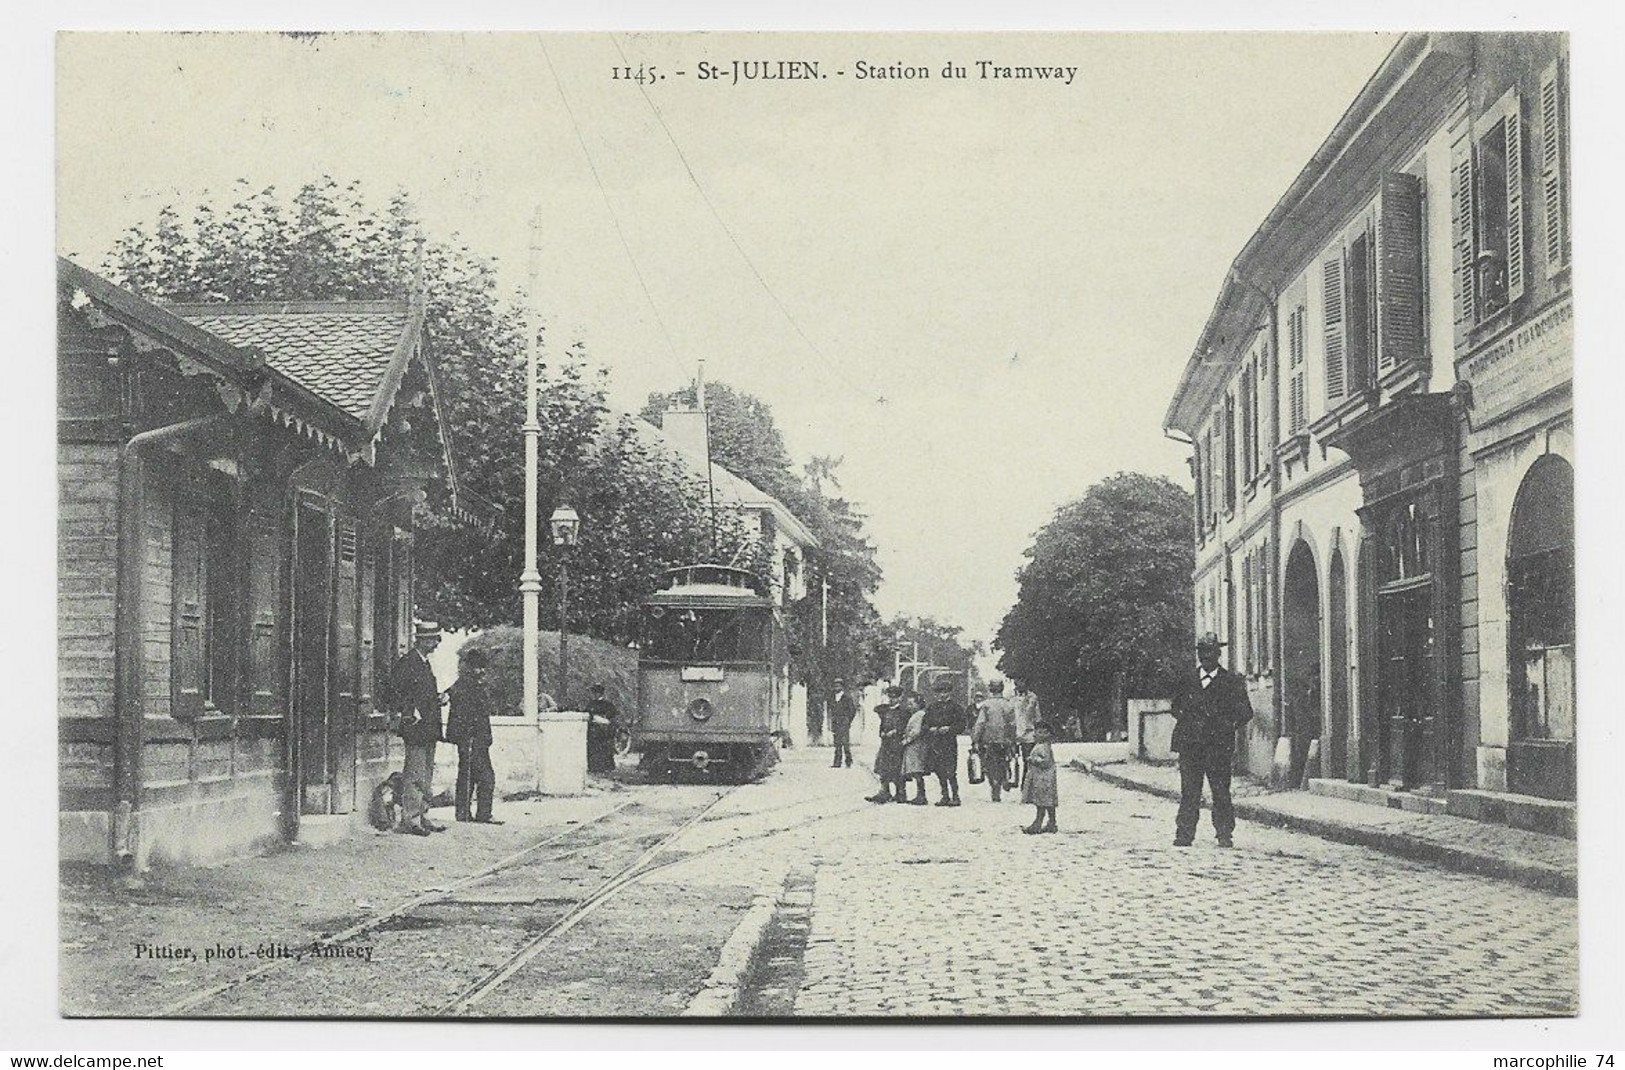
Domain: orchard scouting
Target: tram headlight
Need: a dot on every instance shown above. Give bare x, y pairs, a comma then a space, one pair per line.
701, 709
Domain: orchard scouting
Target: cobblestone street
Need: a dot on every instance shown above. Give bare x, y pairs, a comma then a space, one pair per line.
928, 911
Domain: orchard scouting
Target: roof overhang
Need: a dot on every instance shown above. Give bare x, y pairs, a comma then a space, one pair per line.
1416, 87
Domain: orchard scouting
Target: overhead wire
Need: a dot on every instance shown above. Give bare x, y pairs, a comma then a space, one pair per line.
784, 310
626, 246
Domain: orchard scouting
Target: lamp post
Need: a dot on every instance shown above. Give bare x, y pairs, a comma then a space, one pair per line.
530, 580
565, 524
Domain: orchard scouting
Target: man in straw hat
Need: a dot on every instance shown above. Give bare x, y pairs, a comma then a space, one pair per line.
416, 697
1209, 706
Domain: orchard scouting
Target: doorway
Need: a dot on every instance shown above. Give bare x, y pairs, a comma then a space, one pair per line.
312, 648
1336, 745
1300, 640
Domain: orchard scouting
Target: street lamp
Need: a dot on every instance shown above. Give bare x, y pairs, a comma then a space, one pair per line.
565, 524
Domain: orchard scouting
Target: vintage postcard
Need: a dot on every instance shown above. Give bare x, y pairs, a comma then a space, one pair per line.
831, 527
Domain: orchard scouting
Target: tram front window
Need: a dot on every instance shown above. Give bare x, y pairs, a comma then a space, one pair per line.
674, 633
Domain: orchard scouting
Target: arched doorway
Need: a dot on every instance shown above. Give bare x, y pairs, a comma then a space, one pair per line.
1540, 655
1336, 745
1300, 640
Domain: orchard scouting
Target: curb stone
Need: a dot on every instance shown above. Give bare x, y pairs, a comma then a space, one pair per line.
720, 992
1530, 874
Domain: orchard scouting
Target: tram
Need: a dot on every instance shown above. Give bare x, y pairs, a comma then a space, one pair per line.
710, 700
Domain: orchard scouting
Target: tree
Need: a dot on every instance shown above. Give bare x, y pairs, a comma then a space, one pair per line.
641, 512
1103, 608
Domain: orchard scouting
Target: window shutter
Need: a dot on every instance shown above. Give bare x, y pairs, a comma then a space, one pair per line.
1230, 452
1336, 333
1297, 415
188, 655
264, 595
347, 603
367, 624
1552, 116
1399, 285
1514, 148
1461, 236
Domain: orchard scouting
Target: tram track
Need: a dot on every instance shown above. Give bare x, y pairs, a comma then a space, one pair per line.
509, 874
198, 999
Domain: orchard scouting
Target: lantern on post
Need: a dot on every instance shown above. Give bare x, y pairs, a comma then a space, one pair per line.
565, 524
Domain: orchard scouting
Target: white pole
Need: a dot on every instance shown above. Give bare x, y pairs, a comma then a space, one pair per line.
530, 581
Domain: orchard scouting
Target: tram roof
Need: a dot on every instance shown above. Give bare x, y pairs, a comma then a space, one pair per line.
722, 584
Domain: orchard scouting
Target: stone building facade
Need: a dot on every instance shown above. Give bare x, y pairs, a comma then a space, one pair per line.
1379, 415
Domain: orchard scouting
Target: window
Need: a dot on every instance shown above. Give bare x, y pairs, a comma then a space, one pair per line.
1297, 415
203, 675
1249, 421
1230, 453
1199, 478
1371, 287
1554, 165
681, 634
1487, 215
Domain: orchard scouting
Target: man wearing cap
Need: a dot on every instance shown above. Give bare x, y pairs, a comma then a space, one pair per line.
843, 710
995, 723
943, 719
468, 725
1209, 707
416, 697
893, 715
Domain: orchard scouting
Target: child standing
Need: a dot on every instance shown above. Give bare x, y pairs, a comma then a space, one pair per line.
1039, 789
915, 741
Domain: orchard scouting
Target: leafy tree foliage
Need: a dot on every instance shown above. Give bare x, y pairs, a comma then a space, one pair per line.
641, 510
1104, 604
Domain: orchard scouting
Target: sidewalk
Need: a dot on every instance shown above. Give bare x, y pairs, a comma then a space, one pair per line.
1549, 863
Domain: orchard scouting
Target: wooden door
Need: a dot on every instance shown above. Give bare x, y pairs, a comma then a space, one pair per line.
312, 639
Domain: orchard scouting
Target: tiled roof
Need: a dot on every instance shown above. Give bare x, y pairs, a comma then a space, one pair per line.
341, 351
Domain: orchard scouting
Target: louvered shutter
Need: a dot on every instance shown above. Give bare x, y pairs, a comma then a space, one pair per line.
188, 652
264, 596
1555, 236
367, 623
1514, 150
1335, 329
1399, 266
1297, 414
347, 603
1461, 236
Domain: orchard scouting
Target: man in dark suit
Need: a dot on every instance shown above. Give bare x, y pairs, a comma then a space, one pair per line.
843, 709
415, 695
468, 725
1209, 707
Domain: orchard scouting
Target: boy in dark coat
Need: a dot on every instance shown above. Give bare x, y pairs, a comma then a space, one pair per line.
468, 724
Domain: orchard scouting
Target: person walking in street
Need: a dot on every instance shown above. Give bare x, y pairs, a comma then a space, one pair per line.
990, 735
602, 717
893, 717
416, 698
1210, 705
943, 720
1040, 788
916, 760
843, 710
468, 725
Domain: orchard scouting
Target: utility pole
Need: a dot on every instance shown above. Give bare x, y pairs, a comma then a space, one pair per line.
530, 580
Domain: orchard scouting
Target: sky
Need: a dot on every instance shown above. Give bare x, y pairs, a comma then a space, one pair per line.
979, 293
